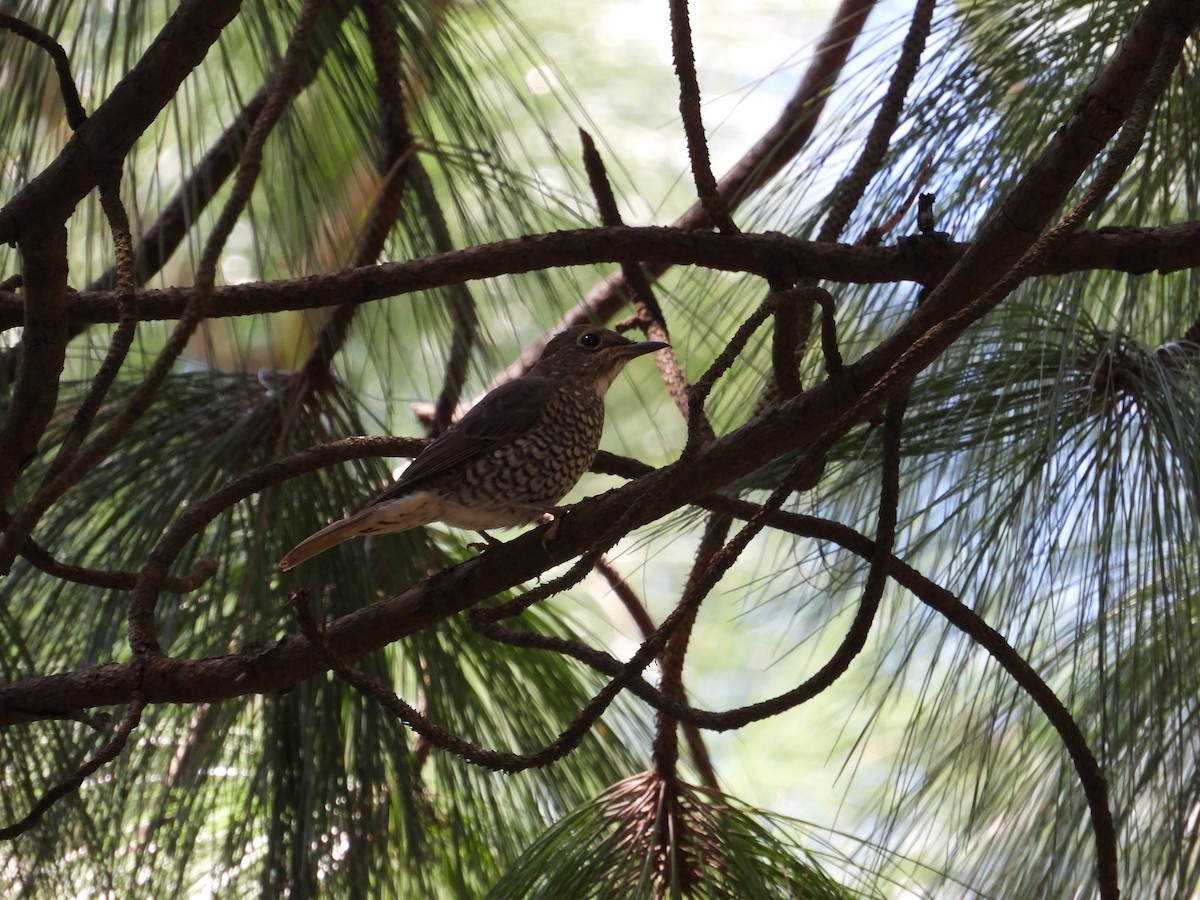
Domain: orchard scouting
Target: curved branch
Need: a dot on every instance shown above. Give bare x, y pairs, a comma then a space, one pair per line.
62, 65
114, 579
665, 749
44, 264
106, 754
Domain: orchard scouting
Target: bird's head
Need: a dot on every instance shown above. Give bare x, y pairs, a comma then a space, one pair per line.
592, 354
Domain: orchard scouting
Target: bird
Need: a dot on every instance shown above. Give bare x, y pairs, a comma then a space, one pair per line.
511, 457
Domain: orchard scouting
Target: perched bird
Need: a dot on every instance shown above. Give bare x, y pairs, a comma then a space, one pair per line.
509, 459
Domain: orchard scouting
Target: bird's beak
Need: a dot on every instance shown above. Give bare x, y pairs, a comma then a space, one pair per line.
629, 351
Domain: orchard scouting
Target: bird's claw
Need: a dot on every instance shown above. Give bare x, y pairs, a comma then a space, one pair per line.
554, 522
488, 541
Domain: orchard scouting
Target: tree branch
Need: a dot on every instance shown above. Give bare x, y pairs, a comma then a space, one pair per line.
76, 115
102, 142
781, 143
1133, 250
684, 53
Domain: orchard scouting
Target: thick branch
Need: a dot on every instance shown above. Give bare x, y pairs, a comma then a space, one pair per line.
779, 430
44, 261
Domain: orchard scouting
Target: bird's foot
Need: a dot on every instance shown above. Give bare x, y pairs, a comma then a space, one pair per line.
488, 541
556, 521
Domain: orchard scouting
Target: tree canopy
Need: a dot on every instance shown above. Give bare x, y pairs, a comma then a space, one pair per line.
929, 425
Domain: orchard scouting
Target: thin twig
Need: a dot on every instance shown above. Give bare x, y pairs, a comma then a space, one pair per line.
699, 391
122, 339
666, 743
629, 599
693, 122
641, 617
628, 673
462, 306
649, 314
578, 571
496, 760
829, 342
114, 579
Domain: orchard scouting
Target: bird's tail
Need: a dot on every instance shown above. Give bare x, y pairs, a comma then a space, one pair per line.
329, 536
399, 514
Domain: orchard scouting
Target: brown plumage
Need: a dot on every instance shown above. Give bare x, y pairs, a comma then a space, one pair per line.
512, 457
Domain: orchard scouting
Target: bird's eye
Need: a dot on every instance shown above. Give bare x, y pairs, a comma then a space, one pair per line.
589, 340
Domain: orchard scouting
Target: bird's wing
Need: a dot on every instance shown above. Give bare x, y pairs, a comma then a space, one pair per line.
502, 416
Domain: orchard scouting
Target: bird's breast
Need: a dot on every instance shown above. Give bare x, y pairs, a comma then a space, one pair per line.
538, 467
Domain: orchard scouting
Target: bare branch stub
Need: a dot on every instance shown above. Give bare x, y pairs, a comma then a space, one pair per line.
875, 234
